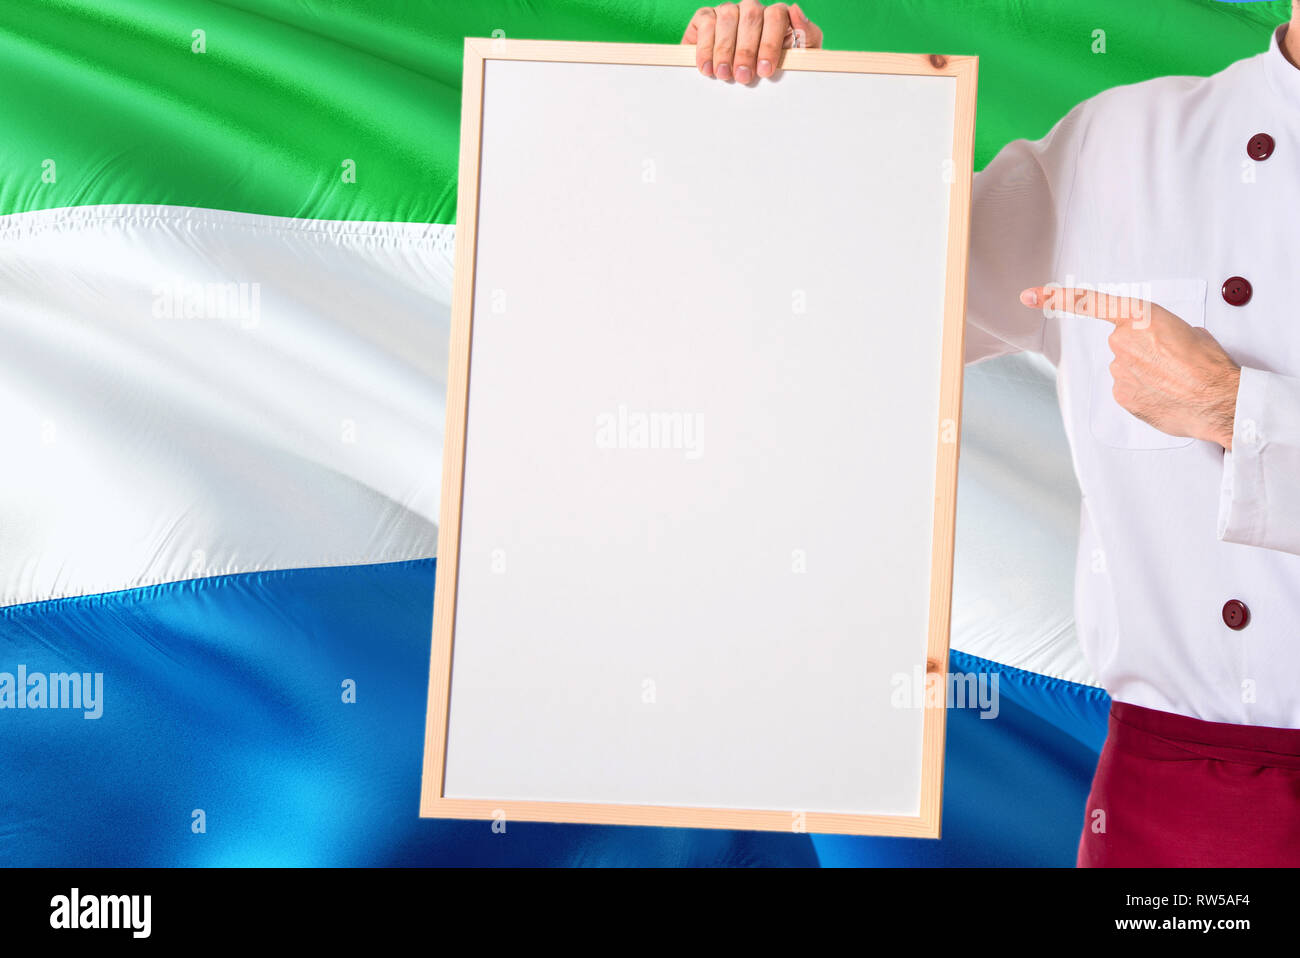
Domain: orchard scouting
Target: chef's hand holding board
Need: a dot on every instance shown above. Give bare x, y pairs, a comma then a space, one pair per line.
740, 41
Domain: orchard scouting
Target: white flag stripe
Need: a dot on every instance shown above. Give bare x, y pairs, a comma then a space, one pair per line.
195, 392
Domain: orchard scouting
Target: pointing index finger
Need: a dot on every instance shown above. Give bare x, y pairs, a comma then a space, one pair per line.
1120, 310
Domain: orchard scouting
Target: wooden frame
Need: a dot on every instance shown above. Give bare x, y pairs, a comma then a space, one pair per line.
927, 823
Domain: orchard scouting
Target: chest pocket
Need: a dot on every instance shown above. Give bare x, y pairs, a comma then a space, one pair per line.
1112, 424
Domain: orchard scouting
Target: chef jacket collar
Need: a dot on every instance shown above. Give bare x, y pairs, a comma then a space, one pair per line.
1282, 74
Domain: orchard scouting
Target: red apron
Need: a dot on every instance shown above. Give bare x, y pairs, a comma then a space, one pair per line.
1175, 791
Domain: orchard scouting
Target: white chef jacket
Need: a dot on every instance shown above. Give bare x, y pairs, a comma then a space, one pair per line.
1152, 187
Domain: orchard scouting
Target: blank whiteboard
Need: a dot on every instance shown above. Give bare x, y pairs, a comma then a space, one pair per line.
701, 457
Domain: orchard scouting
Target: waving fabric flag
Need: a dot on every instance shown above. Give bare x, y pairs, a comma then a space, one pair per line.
225, 274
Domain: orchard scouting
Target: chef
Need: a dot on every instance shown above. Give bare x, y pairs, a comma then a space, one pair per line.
1149, 246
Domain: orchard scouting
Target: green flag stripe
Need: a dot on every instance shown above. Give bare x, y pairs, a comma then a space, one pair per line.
110, 102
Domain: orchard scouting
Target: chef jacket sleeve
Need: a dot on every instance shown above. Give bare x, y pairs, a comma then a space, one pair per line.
1260, 496
1019, 207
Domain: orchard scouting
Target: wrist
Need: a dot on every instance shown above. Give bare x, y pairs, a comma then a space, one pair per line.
1221, 415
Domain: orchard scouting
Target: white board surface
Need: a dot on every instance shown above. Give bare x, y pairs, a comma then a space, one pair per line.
699, 486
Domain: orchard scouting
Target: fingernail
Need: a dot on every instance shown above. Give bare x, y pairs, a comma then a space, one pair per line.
1029, 297
707, 69
764, 68
724, 71
744, 74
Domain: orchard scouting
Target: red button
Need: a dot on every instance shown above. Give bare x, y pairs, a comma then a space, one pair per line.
1236, 290
1260, 146
1235, 615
